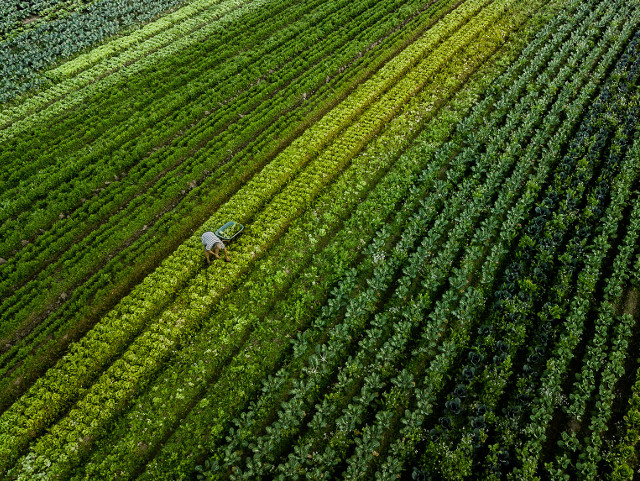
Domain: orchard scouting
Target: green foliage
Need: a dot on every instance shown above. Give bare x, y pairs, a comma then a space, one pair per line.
437, 277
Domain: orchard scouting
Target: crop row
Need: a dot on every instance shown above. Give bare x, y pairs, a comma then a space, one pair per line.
16, 14
596, 348
76, 254
624, 457
119, 59
291, 417
25, 268
274, 273
112, 82
470, 379
517, 311
106, 209
571, 333
332, 454
566, 92
238, 136
24, 188
133, 190
497, 267
193, 64
494, 381
529, 453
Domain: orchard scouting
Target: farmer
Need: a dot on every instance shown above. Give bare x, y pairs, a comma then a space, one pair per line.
212, 241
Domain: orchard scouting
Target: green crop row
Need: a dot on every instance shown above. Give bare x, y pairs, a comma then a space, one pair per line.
624, 457
32, 192
107, 207
15, 14
597, 346
585, 465
98, 238
461, 278
432, 260
262, 450
133, 190
22, 274
291, 265
392, 467
112, 67
519, 308
245, 64
563, 352
557, 305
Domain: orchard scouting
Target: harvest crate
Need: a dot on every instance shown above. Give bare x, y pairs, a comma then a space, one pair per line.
229, 231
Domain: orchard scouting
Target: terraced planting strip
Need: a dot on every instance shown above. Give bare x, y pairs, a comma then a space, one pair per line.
269, 226
101, 277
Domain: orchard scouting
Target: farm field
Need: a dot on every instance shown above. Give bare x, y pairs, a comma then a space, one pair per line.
439, 271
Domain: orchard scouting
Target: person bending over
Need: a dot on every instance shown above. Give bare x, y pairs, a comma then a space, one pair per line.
212, 245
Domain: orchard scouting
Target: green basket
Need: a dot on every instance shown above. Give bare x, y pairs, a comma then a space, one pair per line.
220, 230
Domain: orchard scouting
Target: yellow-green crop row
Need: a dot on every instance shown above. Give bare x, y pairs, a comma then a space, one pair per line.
171, 26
